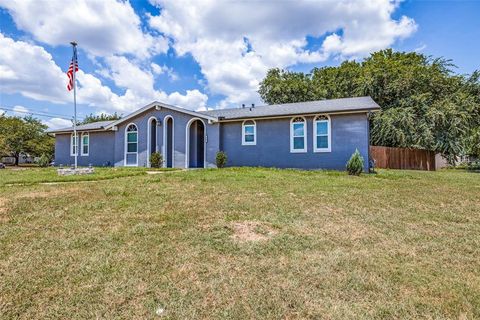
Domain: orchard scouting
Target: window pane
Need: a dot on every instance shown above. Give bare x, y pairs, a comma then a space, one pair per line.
249, 130
131, 159
131, 147
249, 138
85, 149
298, 143
85, 139
322, 142
298, 129
322, 128
132, 137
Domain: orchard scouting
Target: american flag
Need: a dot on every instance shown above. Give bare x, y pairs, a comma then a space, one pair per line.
70, 70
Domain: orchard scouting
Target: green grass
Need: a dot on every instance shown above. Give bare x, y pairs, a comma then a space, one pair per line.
400, 244
26, 176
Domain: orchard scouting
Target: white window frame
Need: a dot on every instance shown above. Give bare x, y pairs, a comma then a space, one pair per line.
329, 133
292, 149
73, 144
126, 147
254, 125
82, 145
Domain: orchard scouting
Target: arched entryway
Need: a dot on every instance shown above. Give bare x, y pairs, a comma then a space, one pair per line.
152, 137
168, 141
195, 146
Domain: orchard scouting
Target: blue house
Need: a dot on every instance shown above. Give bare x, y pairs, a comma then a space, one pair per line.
308, 135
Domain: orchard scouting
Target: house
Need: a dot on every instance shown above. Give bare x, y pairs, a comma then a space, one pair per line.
309, 135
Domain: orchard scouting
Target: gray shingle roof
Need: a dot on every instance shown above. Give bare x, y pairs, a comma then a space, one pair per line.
84, 127
310, 107
300, 108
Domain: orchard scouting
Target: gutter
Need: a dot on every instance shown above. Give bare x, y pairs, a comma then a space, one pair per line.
368, 111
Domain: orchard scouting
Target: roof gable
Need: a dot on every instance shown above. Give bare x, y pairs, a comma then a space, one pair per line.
156, 104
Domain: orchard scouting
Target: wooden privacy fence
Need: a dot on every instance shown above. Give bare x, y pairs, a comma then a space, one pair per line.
402, 158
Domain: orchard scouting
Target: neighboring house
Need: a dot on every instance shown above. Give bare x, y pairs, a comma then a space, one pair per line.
22, 159
309, 135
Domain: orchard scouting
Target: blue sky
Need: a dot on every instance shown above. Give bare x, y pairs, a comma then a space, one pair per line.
205, 54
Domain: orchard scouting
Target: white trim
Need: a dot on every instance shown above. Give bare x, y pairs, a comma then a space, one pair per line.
254, 142
125, 147
292, 150
149, 130
82, 145
73, 154
164, 149
157, 104
329, 133
187, 142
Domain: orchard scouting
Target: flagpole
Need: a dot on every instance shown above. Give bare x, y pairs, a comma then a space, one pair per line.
75, 62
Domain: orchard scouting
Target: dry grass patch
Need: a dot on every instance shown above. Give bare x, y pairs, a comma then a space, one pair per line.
252, 231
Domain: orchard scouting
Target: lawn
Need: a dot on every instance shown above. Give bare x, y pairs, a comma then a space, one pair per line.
32, 175
241, 243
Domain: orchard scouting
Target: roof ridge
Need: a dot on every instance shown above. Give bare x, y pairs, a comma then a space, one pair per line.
287, 103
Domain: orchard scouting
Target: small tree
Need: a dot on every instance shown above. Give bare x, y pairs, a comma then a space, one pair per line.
24, 136
156, 160
355, 164
221, 159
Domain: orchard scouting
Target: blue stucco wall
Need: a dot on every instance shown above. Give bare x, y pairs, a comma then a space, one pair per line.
349, 132
180, 121
101, 149
272, 149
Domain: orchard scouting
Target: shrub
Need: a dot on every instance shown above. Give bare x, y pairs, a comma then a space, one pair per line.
221, 159
474, 165
355, 164
43, 161
156, 160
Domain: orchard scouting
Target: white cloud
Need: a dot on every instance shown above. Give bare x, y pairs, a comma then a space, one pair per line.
235, 43
100, 27
20, 111
159, 70
30, 70
57, 123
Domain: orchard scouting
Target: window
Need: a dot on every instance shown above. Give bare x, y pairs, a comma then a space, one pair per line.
321, 137
73, 145
249, 132
298, 135
85, 143
131, 145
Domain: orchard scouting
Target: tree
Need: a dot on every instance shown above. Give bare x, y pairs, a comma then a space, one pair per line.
24, 136
283, 87
424, 104
101, 117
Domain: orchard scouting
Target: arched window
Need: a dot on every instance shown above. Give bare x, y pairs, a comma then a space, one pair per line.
249, 133
85, 143
298, 135
322, 134
131, 145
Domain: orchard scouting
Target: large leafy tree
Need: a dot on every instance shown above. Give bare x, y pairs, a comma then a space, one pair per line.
24, 136
424, 104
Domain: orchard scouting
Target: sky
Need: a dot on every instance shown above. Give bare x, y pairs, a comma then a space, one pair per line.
204, 54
